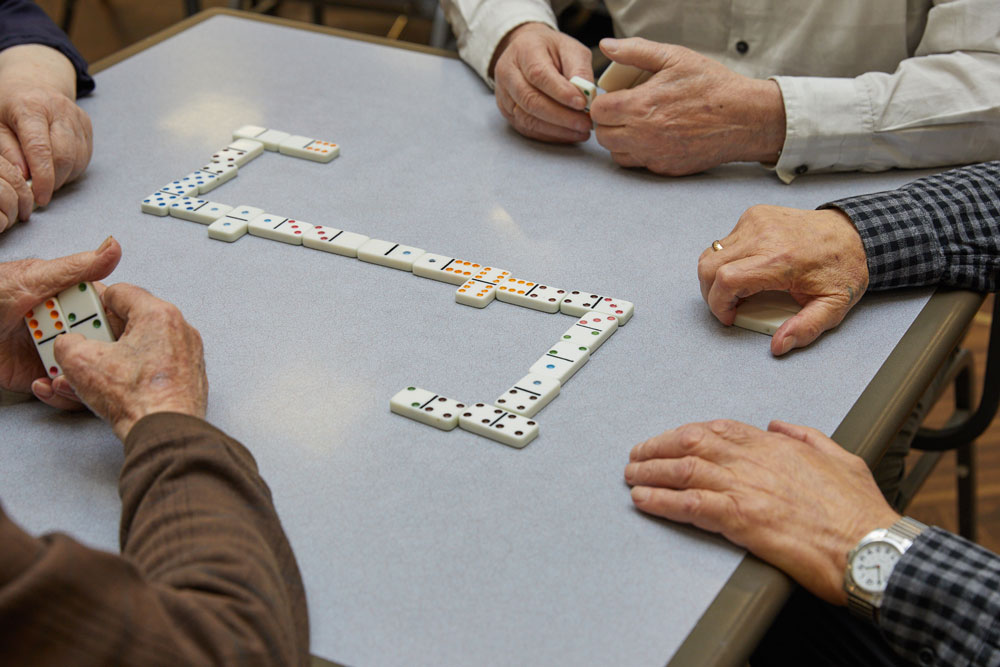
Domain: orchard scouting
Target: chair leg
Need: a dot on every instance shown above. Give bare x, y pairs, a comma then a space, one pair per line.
67, 17
966, 478
318, 12
193, 6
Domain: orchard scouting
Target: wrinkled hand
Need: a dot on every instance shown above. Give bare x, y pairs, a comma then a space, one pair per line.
533, 66
23, 285
16, 198
156, 365
790, 495
43, 133
817, 256
694, 113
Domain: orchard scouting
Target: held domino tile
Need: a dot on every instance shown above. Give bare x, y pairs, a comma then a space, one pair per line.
529, 394
45, 323
84, 313
443, 268
618, 77
588, 89
764, 312
278, 228
330, 239
591, 330
498, 424
562, 361
158, 203
387, 253
427, 407
530, 295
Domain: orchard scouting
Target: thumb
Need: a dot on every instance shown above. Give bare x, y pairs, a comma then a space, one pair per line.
41, 279
639, 52
817, 316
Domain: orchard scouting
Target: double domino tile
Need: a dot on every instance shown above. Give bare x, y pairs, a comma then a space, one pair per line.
74, 310
510, 418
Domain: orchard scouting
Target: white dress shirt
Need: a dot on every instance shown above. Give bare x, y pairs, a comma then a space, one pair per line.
867, 84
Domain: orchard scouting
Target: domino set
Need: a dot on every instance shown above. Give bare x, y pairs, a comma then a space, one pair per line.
77, 310
509, 419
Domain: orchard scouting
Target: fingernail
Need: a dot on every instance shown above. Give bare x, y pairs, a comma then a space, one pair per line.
41, 389
788, 344
580, 104
104, 246
640, 494
630, 471
609, 45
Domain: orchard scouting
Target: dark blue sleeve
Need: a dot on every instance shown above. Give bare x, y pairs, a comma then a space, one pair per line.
24, 22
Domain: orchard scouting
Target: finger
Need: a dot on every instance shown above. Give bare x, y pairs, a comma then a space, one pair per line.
126, 301
33, 134
626, 160
19, 202
8, 206
689, 472
65, 152
711, 259
41, 279
740, 278
687, 440
808, 435
613, 109
538, 104
818, 315
615, 139
707, 510
551, 72
42, 389
641, 53
10, 150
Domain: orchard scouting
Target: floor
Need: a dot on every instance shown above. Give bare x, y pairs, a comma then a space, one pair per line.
101, 27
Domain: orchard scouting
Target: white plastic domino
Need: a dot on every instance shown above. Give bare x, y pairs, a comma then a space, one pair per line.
198, 210
310, 149
618, 77
46, 322
588, 89
579, 303
529, 394
764, 312
476, 293
270, 138
228, 229
498, 424
182, 187
446, 269
562, 361
530, 295
278, 228
239, 152
84, 313
591, 330
387, 253
158, 203
223, 172
427, 407
330, 239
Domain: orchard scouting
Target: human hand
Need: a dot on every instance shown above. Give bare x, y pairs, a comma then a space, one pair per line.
790, 495
692, 114
43, 133
16, 198
817, 256
156, 365
23, 285
533, 66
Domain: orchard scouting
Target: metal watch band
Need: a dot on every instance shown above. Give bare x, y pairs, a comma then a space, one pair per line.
908, 529
901, 534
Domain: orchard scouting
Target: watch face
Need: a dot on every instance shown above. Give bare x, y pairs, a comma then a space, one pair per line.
873, 564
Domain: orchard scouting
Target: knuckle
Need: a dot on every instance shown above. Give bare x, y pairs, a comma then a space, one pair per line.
693, 503
689, 437
685, 471
535, 70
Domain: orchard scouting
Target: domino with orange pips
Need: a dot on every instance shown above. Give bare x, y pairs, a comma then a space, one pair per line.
530, 295
46, 323
446, 269
309, 149
481, 289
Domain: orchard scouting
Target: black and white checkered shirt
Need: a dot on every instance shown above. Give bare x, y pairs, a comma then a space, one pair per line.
942, 605
939, 230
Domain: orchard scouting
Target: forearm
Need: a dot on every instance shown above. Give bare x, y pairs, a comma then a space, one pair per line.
938, 230
942, 602
35, 64
25, 23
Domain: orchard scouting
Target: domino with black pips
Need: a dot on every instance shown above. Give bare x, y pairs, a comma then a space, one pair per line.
427, 407
529, 394
498, 424
530, 295
239, 152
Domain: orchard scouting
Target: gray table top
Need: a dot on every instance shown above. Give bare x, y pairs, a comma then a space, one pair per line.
419, 546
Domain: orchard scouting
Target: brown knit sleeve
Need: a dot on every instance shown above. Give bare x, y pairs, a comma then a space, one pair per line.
206, 575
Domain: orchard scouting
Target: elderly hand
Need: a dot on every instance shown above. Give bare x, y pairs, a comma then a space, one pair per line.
23, 285
790, 495
533, 66
156, 365
694, 113
817, 256
43, 133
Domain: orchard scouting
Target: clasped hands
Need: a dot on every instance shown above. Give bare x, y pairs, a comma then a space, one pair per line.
156, 365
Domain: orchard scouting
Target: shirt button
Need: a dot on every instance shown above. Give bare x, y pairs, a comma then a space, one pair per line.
801, 169
926, 655
742, 46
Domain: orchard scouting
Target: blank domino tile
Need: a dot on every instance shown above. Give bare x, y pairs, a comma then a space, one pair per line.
158, 203
387, 253
198, 210
446, 269
529, 394
530, 295
580, 303
764, 312
270, 138
588, 89
45, 322
309, 149
476, 293
498, 424
239, 152
278, 228
591, 330
330, 239
619, 77
561, 361
228, 229
427, 407
83, 312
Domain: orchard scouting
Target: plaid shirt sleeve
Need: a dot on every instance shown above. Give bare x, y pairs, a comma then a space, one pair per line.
942, 605
941, 229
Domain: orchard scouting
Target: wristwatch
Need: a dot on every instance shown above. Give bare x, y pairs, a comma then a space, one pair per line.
870, 564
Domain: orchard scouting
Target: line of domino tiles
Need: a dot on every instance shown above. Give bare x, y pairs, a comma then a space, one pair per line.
77, 309
509, 420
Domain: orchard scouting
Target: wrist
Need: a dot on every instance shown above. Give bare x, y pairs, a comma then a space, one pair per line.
36, 65
766, 121
123, 424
